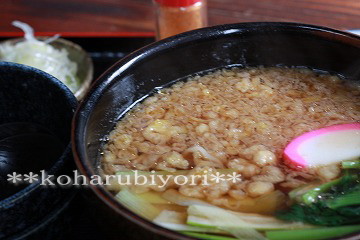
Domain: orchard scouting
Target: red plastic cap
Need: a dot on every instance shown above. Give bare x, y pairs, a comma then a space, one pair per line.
177, 3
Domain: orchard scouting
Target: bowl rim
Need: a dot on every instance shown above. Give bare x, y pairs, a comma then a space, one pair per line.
69, 96
123, 64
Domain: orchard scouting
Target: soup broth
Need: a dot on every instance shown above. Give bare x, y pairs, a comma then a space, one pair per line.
233, 124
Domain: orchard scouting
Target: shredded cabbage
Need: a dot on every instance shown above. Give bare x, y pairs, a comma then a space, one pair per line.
41, 55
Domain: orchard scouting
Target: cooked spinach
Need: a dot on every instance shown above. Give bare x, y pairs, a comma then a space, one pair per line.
338, 204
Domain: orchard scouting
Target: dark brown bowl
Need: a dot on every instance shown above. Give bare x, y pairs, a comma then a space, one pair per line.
135, 76
30, 96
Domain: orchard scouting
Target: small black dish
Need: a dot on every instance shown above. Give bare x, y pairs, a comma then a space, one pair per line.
35, 118
158, 64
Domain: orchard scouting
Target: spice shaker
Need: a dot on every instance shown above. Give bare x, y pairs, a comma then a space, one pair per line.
177, 16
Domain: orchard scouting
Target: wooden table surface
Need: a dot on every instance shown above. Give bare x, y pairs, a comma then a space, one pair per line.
136, 17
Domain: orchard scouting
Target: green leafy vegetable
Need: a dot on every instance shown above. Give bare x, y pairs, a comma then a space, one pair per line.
351, 164
313, 194
313, 233
297, 193
332, 204
349, 199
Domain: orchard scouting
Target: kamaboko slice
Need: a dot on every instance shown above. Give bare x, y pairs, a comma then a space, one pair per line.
324, 146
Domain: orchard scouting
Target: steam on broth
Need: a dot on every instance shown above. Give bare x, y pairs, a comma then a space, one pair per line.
233, 124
